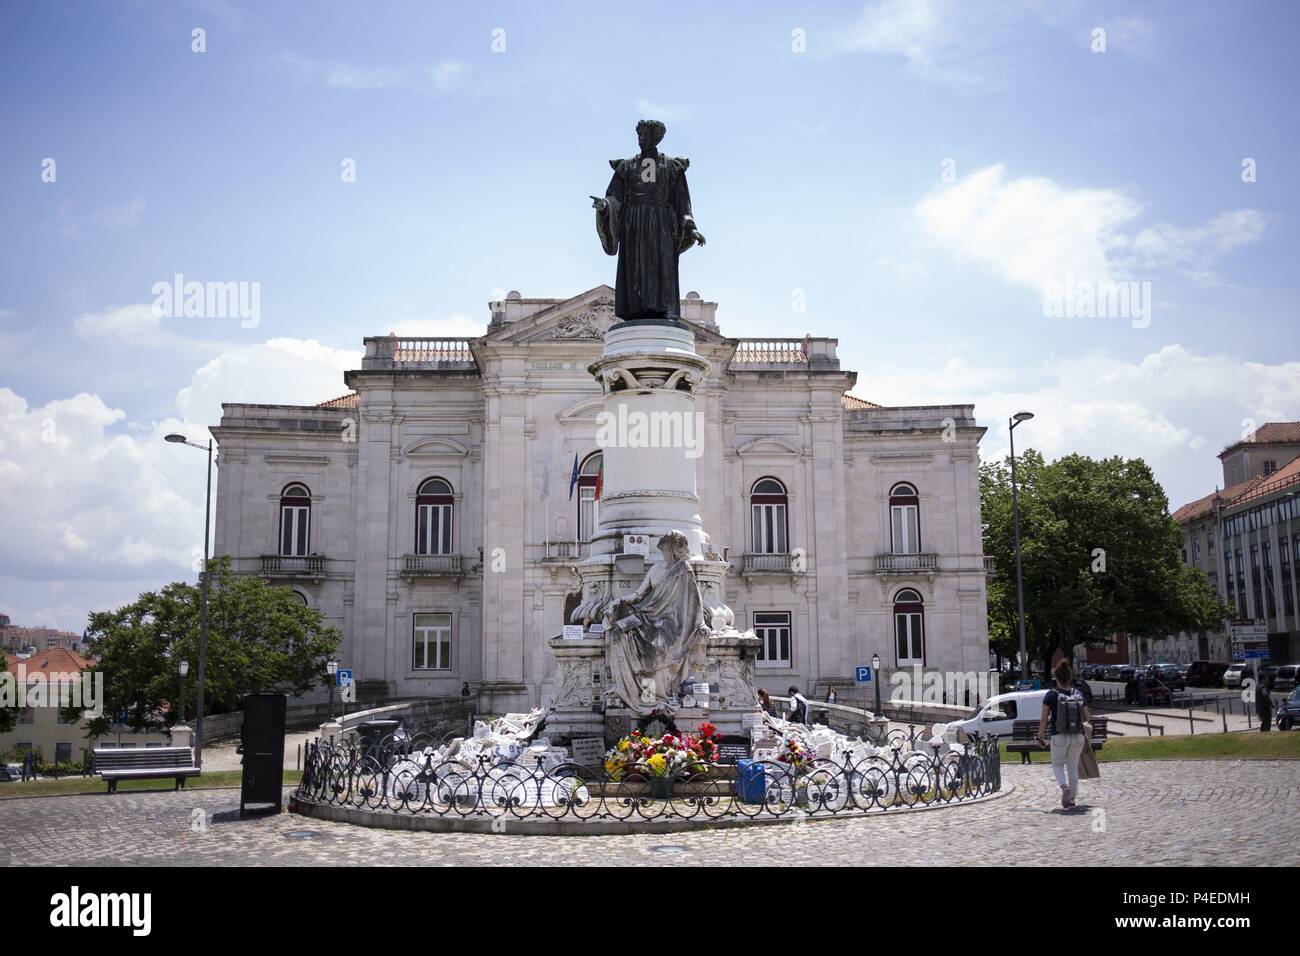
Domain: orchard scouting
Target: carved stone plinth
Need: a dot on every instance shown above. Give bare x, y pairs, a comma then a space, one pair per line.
577, 708
731, 657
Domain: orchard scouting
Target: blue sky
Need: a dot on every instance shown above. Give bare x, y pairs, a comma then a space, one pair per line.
819, 136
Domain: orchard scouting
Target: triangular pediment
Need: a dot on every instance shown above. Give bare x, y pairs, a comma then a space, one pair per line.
583, 318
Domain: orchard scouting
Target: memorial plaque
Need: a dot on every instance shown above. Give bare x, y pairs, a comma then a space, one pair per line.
588, 751
732, 748
636, 544
573, 632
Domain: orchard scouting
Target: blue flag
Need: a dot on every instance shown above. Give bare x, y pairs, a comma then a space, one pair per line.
573, 481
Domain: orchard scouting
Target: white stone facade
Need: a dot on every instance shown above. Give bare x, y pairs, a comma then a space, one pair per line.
500, 419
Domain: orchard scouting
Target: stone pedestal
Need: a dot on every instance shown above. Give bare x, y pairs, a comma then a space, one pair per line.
577, 709
652, 436
182, 736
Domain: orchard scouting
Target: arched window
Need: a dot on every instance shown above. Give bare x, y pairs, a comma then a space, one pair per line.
767, 506
295, 520
909, 628
301, 598
590, 475
433, 506
904, 520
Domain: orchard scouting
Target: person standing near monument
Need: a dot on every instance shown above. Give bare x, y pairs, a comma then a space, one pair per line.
645, 219
798, 706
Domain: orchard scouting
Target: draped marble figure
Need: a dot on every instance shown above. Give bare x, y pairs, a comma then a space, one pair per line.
645, 219
652, 632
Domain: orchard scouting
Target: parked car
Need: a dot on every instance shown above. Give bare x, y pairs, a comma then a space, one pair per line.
1129, 671
10, 772
1288, 712
1113, 672
1233, 675
1206, 673
1285, 678
1091, 672
1159, 693
999, 714
1168, 674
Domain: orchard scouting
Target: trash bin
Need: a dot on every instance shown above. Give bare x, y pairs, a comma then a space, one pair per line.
262, 748
751, 781
379, 739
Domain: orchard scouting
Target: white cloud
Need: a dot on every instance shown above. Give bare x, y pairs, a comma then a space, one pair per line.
1033, 231
1173, 407
98, 508
438, 78
971, 45
134, 324
647, 109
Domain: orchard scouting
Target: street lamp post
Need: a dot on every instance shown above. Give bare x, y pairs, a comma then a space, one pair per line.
203, 597
875, 676
183, 669
1015, 420
332, 668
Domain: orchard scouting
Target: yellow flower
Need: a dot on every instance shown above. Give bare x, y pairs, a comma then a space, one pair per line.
657, 762
623, 745
646, 741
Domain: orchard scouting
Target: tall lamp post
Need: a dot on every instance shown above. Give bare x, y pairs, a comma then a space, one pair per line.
332, 668
183, 668
1015, 420
875, 676
203, 596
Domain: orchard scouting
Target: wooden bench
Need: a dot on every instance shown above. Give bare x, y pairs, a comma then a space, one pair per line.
1025, 732
143, 763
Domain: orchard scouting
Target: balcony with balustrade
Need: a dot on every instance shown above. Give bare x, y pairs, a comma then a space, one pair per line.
422, 353
293, 566
432, 566
785, 354
907, 563
752, 563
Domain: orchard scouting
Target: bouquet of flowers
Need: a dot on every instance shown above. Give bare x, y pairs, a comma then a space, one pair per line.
794, 754
665, 756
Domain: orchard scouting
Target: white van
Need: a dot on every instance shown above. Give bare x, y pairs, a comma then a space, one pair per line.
999, 713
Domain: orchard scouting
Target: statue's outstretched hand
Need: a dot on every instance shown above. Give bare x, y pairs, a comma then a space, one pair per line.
599, 204
698, 236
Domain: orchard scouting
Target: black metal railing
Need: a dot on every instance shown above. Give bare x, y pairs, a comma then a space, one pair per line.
396, 776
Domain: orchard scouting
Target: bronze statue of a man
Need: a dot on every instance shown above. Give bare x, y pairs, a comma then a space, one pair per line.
645, 219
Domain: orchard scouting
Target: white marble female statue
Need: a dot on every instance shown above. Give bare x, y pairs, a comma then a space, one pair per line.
652, 632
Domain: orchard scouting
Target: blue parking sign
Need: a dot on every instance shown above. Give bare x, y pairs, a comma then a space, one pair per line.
863, 675
344, 677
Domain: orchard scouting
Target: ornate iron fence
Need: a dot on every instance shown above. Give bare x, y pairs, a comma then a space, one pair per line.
394, 775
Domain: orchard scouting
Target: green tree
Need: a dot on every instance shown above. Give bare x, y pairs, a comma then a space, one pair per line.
260, 637
8, 715
1099, 552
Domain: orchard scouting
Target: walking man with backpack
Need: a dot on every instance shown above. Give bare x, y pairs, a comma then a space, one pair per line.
1066, 712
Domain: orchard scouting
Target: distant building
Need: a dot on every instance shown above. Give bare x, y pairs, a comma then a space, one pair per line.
45, 730
1245, 539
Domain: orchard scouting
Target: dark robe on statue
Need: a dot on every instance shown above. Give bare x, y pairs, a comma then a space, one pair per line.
650, 647
647, 224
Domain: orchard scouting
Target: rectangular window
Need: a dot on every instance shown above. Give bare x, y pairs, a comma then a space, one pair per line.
62, 753
433, 531
910, 636
773, 629
905, 529
769, 528
293, 530
432, 648
588, 512
28, 716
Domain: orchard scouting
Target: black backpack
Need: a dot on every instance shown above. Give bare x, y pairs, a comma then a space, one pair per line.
1069, 712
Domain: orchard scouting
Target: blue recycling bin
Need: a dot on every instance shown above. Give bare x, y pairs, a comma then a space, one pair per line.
751, 781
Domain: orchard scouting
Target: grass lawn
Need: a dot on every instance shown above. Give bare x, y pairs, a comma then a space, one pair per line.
1244, 744
74, 785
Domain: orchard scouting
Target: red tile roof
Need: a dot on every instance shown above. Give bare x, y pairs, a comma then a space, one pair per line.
1265, 485
1270, 433
57, 660
343, 401
852, 401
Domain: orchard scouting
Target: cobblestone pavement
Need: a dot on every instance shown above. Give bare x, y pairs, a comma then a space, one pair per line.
1157, 812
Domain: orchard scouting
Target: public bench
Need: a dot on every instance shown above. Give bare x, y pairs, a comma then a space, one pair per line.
144, 763
1024, 732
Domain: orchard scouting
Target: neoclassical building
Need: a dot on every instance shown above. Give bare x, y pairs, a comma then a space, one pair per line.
433, 515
